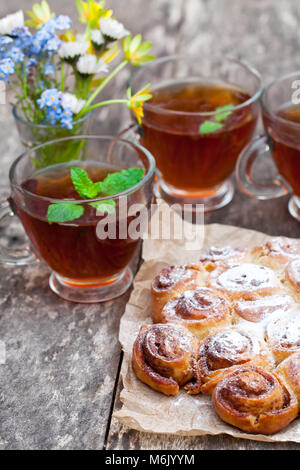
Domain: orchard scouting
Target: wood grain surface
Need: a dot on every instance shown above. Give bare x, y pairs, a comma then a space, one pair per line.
61, 369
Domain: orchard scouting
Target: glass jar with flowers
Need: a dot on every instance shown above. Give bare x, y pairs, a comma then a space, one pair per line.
56, 74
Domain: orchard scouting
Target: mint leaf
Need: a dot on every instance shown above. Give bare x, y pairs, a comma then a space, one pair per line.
106, 207
64, 212
222, 116
209, 126
83, 184
115, 183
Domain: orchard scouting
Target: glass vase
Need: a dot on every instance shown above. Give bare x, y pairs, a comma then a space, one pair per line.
32, 135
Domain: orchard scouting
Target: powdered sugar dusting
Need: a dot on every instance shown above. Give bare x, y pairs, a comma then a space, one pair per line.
221, 253
284, 246
232, 344
168, 277
257, 310
247, 277
284, 331
293, 273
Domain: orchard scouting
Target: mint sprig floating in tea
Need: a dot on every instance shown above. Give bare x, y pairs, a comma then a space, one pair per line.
216, 123
112, 184
64, 212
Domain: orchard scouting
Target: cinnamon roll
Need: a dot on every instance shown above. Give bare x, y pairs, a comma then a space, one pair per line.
164, 358
254, 400
172, 281
244, 281
289, 372
258, 310
283, 335
292, 272
225, 253
276, 252
220, 352
202, 310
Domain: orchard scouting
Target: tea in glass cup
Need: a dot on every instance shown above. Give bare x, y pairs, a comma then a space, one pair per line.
62, 207
201, 115
281, 118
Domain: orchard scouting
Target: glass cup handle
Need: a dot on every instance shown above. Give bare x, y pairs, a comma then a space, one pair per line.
260, 190
7, 255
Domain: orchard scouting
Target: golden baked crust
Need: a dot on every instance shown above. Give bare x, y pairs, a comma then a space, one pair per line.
164, 357
254, 400
229, 326
292, 278
171, 281
202, 310
277, 252
289, 372
220, 352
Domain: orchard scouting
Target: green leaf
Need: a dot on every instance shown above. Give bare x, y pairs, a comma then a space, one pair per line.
209, 126
64, 212
222, 116
106, 207
135, 43
83, 184
144, 48
115, 183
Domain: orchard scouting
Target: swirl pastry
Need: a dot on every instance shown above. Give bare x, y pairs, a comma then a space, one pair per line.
172, 281
289, 372
225, 253
220, 352
276, 252
201, 310
164, 358
254, 400
244, 281
283, 335
257, 310
292, 272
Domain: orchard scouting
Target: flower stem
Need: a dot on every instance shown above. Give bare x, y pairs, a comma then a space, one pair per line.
101, 86
105, 103
62, 71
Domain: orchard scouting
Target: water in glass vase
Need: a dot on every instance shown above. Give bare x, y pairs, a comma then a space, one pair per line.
72, 249
190, 159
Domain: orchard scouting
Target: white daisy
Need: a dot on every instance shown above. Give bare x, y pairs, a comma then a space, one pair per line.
73, 49
97, 37
70, 101
89, 65
112, 28
10, 22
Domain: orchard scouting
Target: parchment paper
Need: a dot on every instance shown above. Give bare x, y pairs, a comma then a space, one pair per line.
146, 410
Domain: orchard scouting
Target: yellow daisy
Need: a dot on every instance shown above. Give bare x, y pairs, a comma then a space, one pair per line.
136, 102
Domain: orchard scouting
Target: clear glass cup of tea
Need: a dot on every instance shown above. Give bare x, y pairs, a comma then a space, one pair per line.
281, 141
85, 241
203, 112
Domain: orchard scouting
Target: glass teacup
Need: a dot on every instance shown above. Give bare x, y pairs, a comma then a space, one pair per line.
203, 112
86, 266
281, 118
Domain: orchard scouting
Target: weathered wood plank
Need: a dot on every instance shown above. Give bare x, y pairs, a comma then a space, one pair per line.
62, 359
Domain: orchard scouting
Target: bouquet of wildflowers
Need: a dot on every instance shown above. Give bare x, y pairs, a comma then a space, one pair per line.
56, 73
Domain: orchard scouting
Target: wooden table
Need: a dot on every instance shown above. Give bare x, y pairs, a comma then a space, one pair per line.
60, 382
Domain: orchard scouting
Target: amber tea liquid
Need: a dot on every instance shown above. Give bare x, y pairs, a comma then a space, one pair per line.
187, 160
72, 249
285, 143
